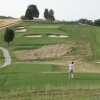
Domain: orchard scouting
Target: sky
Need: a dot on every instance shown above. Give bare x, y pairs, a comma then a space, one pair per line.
69, 10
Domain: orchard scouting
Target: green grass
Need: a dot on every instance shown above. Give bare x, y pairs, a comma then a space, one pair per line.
37, 41
39, 29
87, 34
33, 75
30, 82
1, 58
76, 33
44, 29
45, 26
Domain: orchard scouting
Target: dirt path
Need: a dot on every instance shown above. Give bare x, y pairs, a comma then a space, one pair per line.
7, 57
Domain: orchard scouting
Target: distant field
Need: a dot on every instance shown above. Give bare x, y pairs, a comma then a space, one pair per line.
47, 78
4, 22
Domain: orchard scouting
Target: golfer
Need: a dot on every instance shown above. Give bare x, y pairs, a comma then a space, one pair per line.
71, 70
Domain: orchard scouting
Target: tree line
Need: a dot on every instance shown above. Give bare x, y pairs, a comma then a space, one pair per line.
33, 12
89, 22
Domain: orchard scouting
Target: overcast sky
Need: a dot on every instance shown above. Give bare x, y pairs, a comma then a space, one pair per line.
64, 9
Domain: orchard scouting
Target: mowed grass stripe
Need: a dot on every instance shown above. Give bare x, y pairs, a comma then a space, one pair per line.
32, 41
45, 29
45, 26
23, 76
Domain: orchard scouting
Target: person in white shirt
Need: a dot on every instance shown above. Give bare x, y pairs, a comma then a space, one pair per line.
71, 70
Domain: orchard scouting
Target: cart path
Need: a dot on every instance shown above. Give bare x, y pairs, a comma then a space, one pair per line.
7, 57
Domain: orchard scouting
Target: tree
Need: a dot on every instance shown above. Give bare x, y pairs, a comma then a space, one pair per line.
51, 15
46, 14
28, 14
9, 35
23, 17
85, 21
31, 12
97, 22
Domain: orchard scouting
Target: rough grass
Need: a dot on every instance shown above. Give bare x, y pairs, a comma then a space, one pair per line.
49, 51
76, 33
49, 94
85, 33
5, 22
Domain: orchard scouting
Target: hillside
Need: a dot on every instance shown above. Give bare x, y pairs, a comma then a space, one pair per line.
40, 56
8, 21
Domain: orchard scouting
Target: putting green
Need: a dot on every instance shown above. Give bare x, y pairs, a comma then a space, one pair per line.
46, 26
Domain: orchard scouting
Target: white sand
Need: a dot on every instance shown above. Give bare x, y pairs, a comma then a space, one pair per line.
22, 30
63, 36
98, 62
60, 36
51, 36
32, 36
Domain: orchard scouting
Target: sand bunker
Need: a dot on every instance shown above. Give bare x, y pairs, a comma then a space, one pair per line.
51, 36
20, 29
98, 62
32, 36
57, 36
